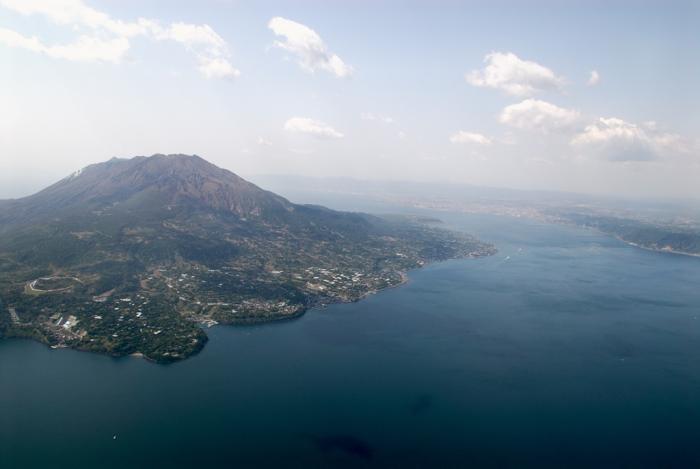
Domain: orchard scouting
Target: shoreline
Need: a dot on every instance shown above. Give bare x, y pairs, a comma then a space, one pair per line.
545, 219
608, 234
321, 304
646, 248
311, 305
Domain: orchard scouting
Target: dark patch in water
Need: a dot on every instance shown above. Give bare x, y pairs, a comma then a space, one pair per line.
347, 444
422, 403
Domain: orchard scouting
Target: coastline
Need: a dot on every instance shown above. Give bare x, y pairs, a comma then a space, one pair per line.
327, 301
404, 279
646, 248
313, 303
617, 237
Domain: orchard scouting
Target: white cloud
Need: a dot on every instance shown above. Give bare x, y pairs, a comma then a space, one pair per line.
262, 141
72, 12
534, 114
14, 39
307, 45
192, 35
368, 116
606, 129
90, 49
618, 140
507, 72
217, 68
594, 78
469, 137
210, 49
86, 48
311, 127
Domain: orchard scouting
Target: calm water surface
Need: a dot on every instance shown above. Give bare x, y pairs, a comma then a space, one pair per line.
567, 348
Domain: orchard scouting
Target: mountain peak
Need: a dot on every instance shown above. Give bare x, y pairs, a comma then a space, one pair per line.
165, 180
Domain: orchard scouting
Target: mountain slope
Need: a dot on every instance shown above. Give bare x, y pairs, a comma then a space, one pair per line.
131, 255
165, 179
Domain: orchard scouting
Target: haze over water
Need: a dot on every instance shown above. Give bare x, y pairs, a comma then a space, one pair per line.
566, 348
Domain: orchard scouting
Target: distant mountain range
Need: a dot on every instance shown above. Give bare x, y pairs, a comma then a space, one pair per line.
132, 256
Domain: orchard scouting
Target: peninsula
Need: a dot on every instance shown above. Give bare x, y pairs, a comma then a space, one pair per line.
134, 256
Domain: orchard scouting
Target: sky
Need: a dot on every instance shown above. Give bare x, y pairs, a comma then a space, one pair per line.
591, 96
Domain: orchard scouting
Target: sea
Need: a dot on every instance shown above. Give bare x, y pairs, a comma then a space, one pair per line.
567, 348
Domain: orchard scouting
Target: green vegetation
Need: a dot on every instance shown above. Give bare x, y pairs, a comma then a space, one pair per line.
134, 256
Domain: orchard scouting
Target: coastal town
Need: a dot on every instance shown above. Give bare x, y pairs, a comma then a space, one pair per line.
162, 314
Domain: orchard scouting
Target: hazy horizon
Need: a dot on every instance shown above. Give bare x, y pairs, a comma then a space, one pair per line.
581, 97
284, 182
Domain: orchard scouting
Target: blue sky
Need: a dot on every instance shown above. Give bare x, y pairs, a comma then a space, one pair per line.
487, 93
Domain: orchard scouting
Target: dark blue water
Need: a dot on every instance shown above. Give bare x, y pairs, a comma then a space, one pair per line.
567, 348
